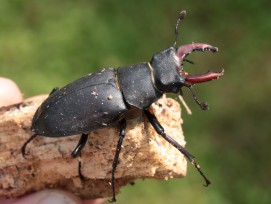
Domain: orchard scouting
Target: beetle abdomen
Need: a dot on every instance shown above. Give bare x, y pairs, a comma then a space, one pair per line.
89, 103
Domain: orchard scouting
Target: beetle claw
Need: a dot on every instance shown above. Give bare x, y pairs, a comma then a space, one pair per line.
190, 80
210, 75
185, 50
181, 53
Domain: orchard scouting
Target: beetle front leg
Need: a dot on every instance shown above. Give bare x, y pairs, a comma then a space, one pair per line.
122, 124
160, 130
77, 150
82, 142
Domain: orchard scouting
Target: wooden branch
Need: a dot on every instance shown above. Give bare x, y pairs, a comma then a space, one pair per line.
144, 154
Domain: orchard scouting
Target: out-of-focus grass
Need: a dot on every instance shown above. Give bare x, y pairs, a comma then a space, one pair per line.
44, 44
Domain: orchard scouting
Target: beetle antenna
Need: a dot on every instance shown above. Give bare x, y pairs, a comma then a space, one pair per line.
189, 61
203, 106
181, 16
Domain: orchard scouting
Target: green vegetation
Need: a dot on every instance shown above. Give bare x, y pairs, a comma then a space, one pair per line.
44, 44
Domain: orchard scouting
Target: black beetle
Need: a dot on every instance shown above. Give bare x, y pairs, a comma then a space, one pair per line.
104, 98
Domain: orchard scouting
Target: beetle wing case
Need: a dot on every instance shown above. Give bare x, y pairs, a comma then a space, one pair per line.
89, 103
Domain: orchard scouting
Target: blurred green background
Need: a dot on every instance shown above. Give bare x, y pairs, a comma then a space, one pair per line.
44, 44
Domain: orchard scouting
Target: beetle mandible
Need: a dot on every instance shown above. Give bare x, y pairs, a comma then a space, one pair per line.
104, 98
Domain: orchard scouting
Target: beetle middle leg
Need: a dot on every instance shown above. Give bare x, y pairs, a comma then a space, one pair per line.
122, 124
160, 130
77, 150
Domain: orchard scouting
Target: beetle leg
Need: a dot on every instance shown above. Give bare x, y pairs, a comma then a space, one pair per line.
160, 130
82, 142
190, 80
26, 143
54, 90
81, 176
203, 105
122, 124
77, 150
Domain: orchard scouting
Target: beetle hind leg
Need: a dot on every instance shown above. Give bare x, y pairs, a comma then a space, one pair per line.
26, 143
122, 124
160, 130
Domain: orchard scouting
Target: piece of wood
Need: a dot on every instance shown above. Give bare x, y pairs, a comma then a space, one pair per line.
144, 154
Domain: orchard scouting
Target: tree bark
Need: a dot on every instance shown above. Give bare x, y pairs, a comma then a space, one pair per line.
48, 163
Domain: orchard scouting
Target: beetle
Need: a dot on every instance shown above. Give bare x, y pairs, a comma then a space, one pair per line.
106, 97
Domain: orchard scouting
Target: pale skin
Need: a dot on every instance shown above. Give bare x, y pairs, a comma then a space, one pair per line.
10, 94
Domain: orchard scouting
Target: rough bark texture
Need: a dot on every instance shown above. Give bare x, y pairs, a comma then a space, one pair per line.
144, 154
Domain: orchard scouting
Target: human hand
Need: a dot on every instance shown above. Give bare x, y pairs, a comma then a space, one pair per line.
51, 197
10, 94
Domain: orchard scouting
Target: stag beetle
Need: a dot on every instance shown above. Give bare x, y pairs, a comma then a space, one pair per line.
104, 98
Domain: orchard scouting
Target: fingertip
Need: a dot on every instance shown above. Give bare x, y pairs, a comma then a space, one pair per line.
9, 92
49, 197
96, 201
